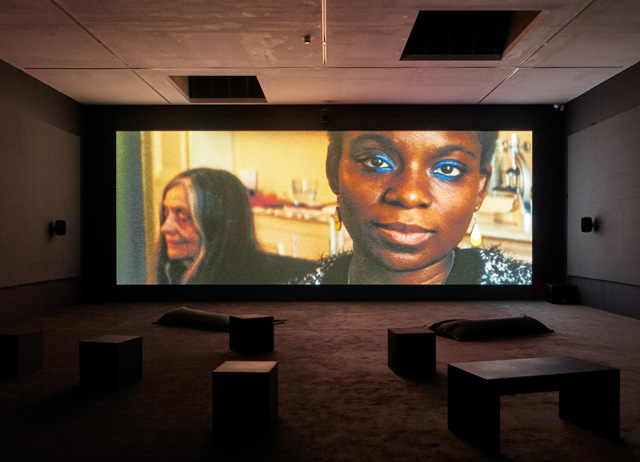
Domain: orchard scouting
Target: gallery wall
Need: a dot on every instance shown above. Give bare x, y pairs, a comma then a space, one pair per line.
46, 137
40, 181
602, 176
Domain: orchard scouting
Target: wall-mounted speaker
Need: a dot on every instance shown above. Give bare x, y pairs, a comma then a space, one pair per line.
562, 293
58, 228
586, 224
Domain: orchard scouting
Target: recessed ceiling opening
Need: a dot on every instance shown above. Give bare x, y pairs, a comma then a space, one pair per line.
220, 89
466, 35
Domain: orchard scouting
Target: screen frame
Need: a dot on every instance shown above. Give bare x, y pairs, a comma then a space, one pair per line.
102, 123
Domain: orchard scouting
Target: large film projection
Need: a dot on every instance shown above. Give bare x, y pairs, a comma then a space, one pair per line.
318, 207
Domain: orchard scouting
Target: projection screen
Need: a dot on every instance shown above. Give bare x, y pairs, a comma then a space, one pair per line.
408, 204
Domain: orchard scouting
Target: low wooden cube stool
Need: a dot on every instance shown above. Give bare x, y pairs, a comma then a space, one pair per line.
251, 333
412, 350
244, 395
21, 352
110, 361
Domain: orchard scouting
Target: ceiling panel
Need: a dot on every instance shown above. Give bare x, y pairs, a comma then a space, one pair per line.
547, 86
384, 86
103, 86
38, 34
205, 33
606, 34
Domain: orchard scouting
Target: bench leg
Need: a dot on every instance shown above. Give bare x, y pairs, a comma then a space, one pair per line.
473, 411
594, 404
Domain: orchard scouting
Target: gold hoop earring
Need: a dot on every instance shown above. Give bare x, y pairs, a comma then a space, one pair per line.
475, 239
337, 218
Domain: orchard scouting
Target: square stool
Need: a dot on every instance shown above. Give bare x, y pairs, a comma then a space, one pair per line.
110, 361
21, 352
244, 395
251, 333
412, 350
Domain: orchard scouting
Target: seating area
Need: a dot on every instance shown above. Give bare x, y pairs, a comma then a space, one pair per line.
326, 390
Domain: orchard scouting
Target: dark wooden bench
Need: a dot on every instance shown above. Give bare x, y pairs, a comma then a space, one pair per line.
589, 394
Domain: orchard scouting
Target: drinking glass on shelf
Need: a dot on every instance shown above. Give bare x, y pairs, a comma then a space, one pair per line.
304, 191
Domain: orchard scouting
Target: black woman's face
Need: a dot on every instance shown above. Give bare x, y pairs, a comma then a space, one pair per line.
407, 197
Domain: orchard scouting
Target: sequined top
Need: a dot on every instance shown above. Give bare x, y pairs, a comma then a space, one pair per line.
470, 266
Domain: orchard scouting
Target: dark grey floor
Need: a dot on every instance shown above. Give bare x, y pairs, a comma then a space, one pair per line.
338, 399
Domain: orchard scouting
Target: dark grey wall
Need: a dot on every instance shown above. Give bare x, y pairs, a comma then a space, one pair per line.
603, 160
40, 181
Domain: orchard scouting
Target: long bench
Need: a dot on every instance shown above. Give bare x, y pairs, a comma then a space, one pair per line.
589, 394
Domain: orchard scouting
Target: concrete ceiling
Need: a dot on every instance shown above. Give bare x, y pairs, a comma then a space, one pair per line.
123, 51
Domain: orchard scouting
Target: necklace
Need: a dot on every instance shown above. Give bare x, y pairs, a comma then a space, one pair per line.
453, 257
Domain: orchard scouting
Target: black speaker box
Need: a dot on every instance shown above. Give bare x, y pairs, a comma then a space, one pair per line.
562, 294
586, 224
